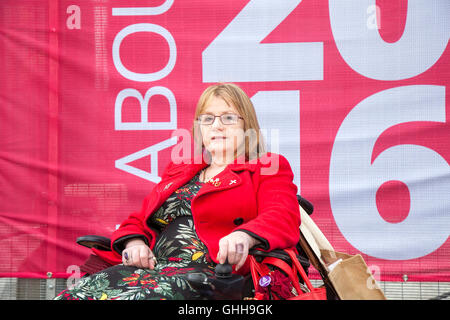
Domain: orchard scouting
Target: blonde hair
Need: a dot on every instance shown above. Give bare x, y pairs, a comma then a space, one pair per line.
233, 95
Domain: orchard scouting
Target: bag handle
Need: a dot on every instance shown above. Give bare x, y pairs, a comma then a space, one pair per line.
256, 268
262, 269
290, 271
299, 268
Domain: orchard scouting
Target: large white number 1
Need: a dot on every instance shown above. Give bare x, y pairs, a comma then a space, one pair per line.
354, 179
237, 54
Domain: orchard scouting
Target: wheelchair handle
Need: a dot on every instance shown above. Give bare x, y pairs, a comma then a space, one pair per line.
223, 271
224, 285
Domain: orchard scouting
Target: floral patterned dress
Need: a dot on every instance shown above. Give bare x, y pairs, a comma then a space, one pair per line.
178, 250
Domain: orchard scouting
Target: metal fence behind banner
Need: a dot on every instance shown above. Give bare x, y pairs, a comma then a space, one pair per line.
47, 289
30, 289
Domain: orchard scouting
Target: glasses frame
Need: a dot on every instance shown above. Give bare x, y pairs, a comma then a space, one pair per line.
221, 120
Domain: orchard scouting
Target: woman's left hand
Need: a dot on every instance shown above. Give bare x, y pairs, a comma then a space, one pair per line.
234, 248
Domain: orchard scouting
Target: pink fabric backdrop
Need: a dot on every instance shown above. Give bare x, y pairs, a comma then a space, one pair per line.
65, 67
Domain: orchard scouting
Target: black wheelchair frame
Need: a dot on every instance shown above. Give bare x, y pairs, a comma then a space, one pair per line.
223, 285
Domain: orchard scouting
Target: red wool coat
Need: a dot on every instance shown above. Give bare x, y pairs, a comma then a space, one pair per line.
258, 196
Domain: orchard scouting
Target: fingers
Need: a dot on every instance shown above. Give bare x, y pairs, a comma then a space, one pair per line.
234, 249
125, 257
143, 257
139, 256
223, 251
244, 256
151, 260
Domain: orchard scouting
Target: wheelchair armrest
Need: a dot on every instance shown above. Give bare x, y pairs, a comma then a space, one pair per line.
305, 204
94, 241
280, 254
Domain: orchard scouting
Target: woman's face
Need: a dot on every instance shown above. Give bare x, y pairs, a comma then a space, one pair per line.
219, 139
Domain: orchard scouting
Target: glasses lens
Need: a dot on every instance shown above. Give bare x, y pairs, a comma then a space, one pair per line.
229, 118
206, 119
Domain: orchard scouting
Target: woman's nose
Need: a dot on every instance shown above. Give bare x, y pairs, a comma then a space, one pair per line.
217, 123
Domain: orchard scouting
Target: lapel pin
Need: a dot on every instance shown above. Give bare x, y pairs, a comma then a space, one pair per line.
215, 182
168, 185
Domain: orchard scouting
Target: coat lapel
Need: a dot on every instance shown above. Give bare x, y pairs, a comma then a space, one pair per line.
181, 174
178, 176
228, 178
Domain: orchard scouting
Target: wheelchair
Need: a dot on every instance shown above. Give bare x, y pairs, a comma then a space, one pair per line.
223, 285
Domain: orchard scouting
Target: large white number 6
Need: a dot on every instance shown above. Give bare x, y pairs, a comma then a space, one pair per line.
354, 179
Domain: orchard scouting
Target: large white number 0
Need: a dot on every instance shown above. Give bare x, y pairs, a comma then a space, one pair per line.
422, 43
354, 179
237, 54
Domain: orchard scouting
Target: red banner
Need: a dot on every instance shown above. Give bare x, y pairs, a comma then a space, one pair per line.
354, 93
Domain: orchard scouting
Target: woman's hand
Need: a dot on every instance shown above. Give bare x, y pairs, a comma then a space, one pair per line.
234, 248
138, 254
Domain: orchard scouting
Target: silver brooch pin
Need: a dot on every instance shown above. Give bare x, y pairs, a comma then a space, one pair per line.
232, 181
168, 185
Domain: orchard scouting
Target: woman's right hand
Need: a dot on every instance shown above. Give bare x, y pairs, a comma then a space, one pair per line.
138, 254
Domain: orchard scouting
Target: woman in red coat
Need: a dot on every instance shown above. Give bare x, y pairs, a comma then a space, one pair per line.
212, 208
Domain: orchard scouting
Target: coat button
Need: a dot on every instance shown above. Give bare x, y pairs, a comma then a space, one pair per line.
238, 221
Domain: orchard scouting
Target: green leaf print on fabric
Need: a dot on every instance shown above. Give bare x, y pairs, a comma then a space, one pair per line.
178, 251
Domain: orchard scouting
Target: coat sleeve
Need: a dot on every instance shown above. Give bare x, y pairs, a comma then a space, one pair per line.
134, 226
277, 224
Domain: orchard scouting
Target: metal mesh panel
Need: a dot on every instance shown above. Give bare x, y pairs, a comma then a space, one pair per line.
30, 289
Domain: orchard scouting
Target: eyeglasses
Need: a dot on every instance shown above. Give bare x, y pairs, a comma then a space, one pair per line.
226, 118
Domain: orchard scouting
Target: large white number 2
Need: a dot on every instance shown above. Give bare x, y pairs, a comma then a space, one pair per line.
237, 54
354, 179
